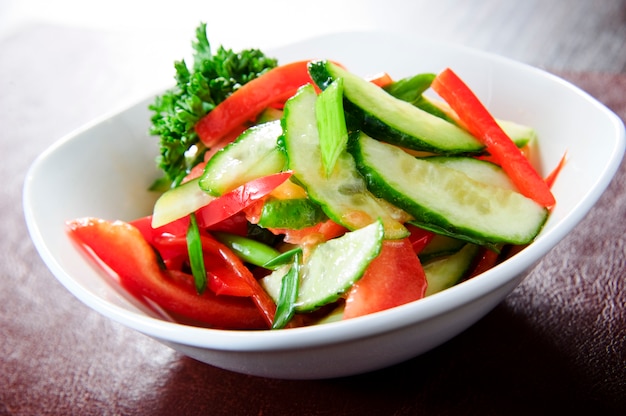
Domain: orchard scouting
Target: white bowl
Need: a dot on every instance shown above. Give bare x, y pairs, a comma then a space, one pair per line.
104, 171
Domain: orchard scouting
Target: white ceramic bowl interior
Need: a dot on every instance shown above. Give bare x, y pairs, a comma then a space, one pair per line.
104, 170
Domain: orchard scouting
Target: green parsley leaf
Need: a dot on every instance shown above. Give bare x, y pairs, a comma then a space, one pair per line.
198, 89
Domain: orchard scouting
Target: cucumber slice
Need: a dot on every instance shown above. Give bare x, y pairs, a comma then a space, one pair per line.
411, 90
480, 170
446, 272
446, 200
178, 202
273, 282
381, 115
519, 133
331, 268
252, 155
269, 114
343, 194
294, 214
440, 245
335, 315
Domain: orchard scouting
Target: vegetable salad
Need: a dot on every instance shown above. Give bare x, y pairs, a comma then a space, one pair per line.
300, 193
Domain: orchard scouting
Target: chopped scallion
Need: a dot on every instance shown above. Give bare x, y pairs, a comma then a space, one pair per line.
196, 256
286, 306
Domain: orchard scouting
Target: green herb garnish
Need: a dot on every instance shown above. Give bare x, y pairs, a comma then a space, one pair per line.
212, 78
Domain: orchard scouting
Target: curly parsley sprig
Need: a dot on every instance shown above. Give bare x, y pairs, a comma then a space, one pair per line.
212, 78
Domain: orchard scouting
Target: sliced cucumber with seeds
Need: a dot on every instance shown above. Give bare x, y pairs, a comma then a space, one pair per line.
273, 282
252, 155
179, 202
411, 89
381, 115
519, 133
343, 194
445, 272
445, 200
480, 170
331, 268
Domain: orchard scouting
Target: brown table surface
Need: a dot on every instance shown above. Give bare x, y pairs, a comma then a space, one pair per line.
555, 345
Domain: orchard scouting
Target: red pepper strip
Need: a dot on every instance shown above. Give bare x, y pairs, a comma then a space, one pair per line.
393, 278
195, 172
123, 249
260, 297
221, 285
235, 224
419, 237
486, 259
313, 235
224, 274
227, 274
277, 84
153, 235
553, 175
254, 210
382, 80
482, 125
525, 150
238, 199
144, 226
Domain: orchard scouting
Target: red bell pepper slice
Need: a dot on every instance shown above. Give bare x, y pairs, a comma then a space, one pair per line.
224, 278
227, 275
486, 259
381, 80
481, 124
264, 302
311, 236
238, 199
153, 235
195, 172
419, 237
276, 85
551, 178
126, 252
393, 278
